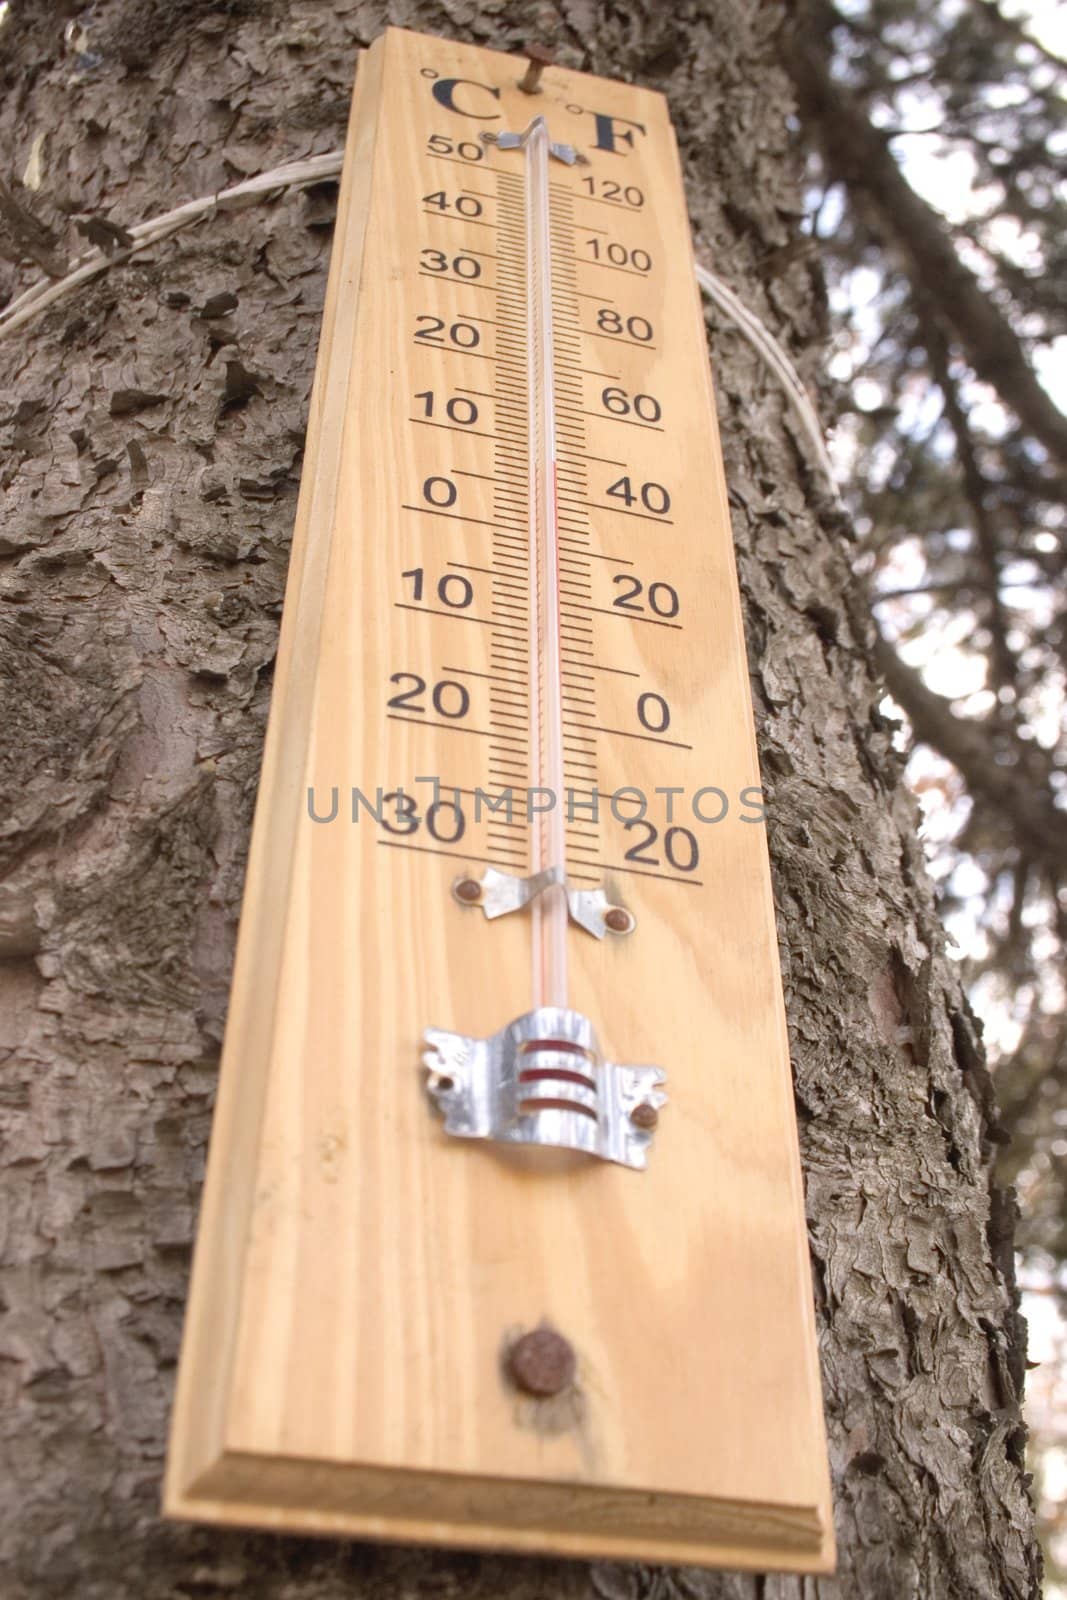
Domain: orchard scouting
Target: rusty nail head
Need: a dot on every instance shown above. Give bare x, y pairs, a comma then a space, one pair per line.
469, 890
539, 58
542, 1362
644, 1115
618, 919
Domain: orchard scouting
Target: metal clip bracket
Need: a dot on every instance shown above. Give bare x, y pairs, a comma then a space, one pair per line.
501, 892
542, 1080
514, 141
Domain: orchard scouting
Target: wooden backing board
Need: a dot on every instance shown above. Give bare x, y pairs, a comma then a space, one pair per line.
358, 1273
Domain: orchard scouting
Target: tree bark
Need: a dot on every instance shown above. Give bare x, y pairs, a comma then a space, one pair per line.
142, 559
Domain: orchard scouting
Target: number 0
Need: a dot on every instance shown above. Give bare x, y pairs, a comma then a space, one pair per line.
653, 713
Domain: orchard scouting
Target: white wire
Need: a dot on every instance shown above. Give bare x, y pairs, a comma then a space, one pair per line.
315, 169
292, 175
762, 339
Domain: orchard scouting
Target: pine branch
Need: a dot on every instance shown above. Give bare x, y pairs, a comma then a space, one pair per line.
1021, 792
978, 494
1010, 28
858, 155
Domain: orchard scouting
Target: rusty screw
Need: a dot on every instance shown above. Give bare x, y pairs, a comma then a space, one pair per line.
468, 890
542, 1363
644, 1116
619, 920
539, 58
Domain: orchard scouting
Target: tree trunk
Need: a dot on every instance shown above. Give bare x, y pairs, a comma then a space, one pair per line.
152, 460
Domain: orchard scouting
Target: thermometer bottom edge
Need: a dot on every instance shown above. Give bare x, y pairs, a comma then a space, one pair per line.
562, 1518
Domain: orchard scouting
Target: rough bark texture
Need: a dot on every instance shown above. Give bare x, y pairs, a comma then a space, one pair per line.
142, 559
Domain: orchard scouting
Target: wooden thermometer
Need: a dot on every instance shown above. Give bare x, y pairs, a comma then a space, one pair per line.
503, 1238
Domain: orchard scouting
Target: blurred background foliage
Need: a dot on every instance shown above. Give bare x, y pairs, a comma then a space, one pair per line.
938, 148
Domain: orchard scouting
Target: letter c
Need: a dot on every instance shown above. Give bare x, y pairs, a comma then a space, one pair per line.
444, 92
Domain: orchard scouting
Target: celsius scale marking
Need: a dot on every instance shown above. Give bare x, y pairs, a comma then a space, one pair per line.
508, 818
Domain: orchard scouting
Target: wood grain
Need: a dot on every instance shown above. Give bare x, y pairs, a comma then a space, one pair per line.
358, 1274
